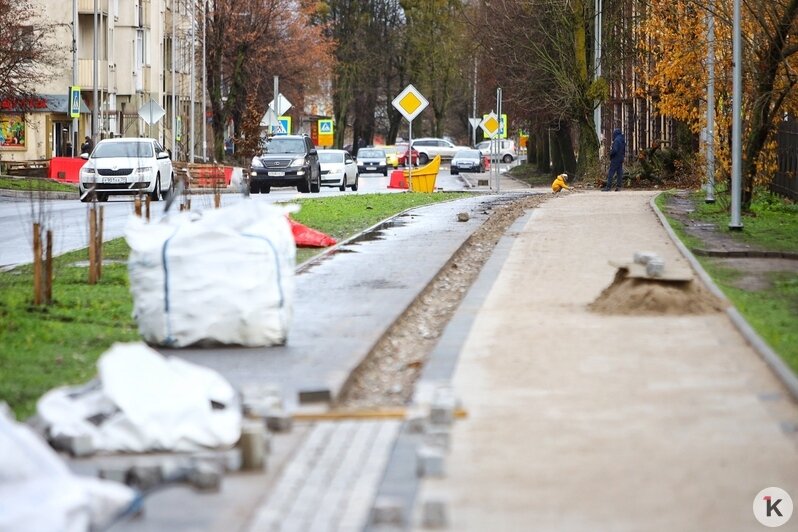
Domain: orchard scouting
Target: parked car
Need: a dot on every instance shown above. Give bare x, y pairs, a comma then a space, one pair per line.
402, 158
338, 169
126, 166
391, 155
286, 161
428, 148
372, 160
507, 150
469, 160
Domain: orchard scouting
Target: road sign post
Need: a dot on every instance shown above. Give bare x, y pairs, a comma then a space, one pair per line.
490, 125
410, 103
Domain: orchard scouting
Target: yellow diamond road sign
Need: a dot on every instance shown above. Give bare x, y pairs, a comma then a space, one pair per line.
490, 124
410, 102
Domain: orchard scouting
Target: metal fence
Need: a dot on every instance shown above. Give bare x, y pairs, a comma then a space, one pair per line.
786, 180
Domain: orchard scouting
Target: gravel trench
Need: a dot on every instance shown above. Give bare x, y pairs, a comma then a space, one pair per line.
387, 376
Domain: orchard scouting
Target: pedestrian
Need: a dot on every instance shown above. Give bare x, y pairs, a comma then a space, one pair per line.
68, 150
617, 153
87, 146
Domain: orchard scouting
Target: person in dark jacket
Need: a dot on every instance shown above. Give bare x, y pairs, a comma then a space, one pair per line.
617, 152
87, 146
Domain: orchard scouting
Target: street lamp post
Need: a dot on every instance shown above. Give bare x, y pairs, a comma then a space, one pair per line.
736, 224
710, 198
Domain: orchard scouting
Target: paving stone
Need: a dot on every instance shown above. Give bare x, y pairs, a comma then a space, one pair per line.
388, 511
279, 421
206, 476
433, 514
253, 446
429, 462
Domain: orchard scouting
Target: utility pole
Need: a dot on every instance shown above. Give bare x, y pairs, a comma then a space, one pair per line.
95, 108
204, 87
597, 67
75, 145
710, 197
736, 223
474, 106
174, 83
192, 82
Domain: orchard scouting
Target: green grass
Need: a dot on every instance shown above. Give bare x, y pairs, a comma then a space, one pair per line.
344, 216
33, 184
772, 225
45, 347
529, 173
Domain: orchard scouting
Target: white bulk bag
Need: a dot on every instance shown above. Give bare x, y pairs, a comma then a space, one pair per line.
221, 276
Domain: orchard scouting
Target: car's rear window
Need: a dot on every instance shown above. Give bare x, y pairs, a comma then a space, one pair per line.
371, 153
278, 145
330, 157
122, 149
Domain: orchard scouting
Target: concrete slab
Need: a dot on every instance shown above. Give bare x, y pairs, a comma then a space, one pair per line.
581, 421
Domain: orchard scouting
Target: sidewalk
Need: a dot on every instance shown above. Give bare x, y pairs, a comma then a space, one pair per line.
583, 421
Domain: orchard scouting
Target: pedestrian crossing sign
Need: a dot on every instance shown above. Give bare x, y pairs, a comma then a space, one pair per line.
283, 126
325, 127
74, 101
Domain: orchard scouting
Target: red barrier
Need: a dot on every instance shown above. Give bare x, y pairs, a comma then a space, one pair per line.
305, 237
65, 169
398, 179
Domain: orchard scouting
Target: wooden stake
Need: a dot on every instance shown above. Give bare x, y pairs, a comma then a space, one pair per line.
100, 243
37, 264
217, 199
147, 207
48, 268
137, 205
92, 244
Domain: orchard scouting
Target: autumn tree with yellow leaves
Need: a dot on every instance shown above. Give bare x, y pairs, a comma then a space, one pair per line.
674, 42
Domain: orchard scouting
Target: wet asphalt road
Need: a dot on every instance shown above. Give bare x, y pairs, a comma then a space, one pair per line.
346, 301
68, 218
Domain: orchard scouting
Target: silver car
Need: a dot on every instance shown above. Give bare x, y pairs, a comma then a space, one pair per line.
428, 148
372, 160
126, 166
467, 161
507, 151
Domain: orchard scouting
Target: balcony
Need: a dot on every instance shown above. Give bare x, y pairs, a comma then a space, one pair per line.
87, 7
85, 74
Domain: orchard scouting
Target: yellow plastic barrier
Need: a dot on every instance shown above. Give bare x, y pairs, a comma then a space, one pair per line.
423, 178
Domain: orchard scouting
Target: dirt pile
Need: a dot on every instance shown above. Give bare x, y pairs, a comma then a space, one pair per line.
630, 295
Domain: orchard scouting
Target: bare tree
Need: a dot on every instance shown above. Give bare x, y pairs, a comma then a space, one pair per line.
248, 43
28, 54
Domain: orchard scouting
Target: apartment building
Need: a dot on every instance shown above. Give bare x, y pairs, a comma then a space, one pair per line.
144, 51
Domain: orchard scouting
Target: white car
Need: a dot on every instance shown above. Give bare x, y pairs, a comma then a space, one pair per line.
338, 169
507, 151
126, 166
428, 148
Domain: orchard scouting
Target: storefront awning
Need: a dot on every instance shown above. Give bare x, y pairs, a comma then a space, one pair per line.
40, 103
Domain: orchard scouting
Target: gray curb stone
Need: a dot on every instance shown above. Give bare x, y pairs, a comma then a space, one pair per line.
771, 358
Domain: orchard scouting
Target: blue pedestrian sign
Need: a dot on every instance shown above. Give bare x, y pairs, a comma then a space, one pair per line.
325, 127
74, 101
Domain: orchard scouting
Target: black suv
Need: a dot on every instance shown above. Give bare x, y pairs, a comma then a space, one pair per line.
286, 161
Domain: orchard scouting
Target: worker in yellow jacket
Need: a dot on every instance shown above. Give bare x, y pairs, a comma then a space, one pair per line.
560, 183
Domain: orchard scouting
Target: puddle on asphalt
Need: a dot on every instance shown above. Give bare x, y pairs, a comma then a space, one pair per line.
375, 234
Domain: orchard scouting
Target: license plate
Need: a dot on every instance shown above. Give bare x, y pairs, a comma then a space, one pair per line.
113, 180
276, 174
371, 168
